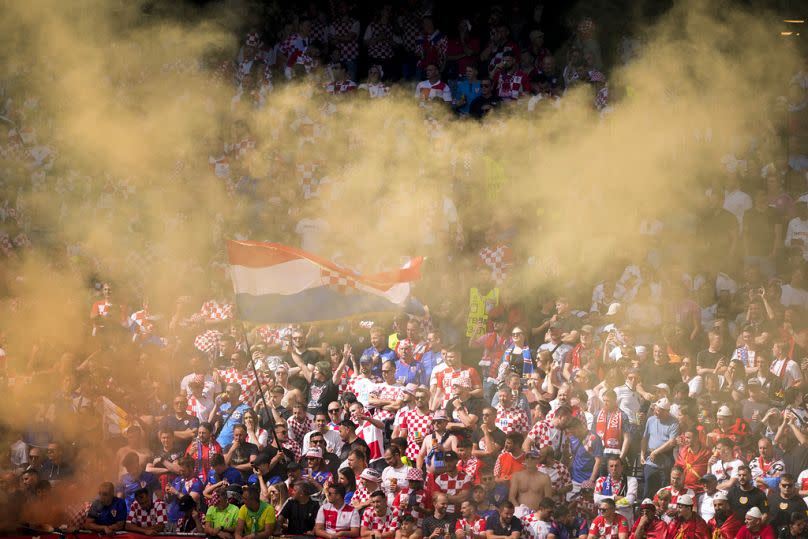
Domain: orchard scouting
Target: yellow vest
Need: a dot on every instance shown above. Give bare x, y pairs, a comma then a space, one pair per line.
479, 307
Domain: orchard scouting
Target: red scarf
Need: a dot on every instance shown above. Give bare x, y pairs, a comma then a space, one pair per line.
610, 428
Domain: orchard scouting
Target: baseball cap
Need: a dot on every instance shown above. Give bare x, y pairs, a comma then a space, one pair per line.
586, 328
724, 411
706, 478
365, 359
450, 455
314, 452
648, 502
614, 308
371, 475
410, 388
415, 474
663, 403
663, 386
685, 499
754, 513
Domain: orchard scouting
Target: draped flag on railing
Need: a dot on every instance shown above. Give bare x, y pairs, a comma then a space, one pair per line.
278, 283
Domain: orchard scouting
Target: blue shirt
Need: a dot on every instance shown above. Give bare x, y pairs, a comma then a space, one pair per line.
384, 355
429, 361
129, 485
577, 529
110, 514
232, 475
184, 487
225, 437
583, 460
658, 433
410, 374
469, 89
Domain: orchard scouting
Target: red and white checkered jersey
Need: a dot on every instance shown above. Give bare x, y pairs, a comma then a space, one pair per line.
341, 87
208, 341
511, 85
141, 321
475, 524
513, 419
449, 376
213, 310
558, 473
383, 48
426, 91
298, 428
76, 514
346, 50
543, 434
472, 468
453, 485
410, 28
361, 494
416, 507
604, 530
246, 379
294, 447
417, 425
337, 520
535, 528
293, 47
381, 524
432, 49
387, 392
156, 516
418, 348
498, 258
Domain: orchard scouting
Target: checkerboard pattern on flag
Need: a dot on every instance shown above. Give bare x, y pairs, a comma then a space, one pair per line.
277, 283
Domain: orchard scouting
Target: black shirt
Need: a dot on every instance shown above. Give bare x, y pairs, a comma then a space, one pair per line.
780, 509
300, 518
708, 360
742, 501
495, 525
320, 394
796, 460
476, 107
177, 425
431, 524
359, 443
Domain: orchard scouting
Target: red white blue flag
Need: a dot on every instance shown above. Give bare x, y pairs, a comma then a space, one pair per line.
278, 283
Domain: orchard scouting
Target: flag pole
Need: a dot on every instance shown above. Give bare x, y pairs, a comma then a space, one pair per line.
270, 418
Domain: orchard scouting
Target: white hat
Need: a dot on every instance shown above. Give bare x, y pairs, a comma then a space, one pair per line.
666, 387
663, 403
314, 452
724, 411
721, 495
646, 502
754, 513
613, 309
684, 499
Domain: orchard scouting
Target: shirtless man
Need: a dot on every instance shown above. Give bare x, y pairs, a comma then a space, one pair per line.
529, 486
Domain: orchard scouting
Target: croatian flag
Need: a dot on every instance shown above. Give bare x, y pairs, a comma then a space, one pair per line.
278, 283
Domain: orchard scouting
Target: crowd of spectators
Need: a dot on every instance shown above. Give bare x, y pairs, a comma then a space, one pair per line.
663, 400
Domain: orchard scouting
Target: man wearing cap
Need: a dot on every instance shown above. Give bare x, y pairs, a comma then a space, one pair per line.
704, 502
723, 465
687, 523
335, 518
315, 468
413, 500
725, 523
694, 459
754, 526
370, 481
648, 525
745, 495
455, 484
786, 502
530, 486
432, 449
656, 446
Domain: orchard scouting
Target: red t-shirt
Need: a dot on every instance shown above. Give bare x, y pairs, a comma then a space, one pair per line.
604, 530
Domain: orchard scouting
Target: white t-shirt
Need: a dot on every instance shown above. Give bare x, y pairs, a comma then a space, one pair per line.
400, 475
726, 470
798, 230
791, 374
794, 296
737, 203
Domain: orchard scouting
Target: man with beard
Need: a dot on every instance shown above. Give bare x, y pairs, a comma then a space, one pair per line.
687, 523
744, 495
724, 524
785, 503
649, 525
